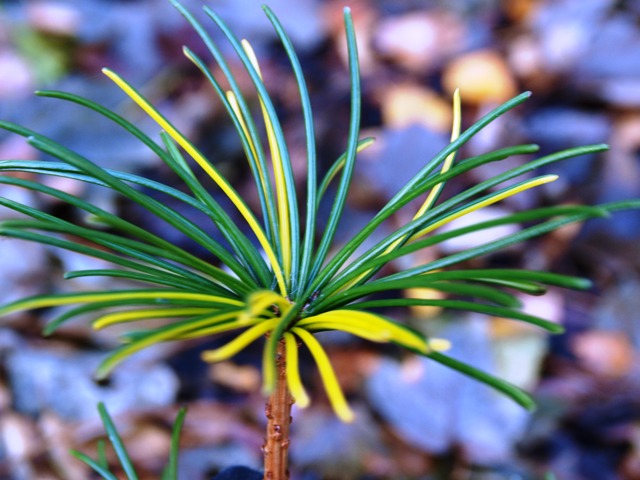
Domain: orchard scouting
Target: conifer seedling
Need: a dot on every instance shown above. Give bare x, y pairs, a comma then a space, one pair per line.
286, 280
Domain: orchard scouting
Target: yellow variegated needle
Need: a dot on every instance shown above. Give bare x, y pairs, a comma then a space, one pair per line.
293, 372
535, 182
240, 342
455, 133
372, 327
433, 195
169, 334
380, 336
221, 327
233, 102
278, 173
50, 301
134, 315
208, 168
331, 385
348, 322
371, 322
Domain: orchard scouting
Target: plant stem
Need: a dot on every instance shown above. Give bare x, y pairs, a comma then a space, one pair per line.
278, 412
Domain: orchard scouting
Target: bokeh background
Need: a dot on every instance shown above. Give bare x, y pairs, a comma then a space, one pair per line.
581, 60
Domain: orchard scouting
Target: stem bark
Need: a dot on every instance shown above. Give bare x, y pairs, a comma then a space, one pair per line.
278, 413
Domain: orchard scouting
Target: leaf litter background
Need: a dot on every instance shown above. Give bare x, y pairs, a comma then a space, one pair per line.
415, 419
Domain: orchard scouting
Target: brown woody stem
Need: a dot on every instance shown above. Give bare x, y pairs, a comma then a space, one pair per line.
278, 412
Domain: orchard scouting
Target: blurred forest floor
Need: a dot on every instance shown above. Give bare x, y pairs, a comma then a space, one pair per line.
415, 420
